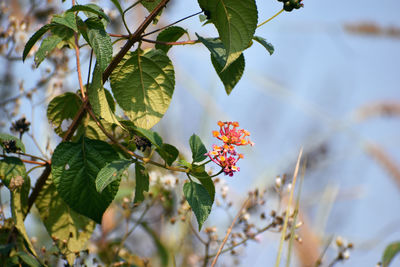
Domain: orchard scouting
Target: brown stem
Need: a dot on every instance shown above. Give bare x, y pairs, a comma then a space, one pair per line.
38, 187
229, 232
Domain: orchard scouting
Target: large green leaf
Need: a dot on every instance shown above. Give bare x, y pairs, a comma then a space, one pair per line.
34, 38
100, 41
198, 148
111, 172
99, 100
6, 138
236, 22
390, 252
143, 84
67, 19
62, 222
171, 34
62, 109
270, 48
74, 170
142, 182
199, 200
231, 75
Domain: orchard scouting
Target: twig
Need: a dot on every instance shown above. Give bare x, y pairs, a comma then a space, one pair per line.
28, 161
271, 18
38, 187
173, 23
229, 231
189, 42
244, 240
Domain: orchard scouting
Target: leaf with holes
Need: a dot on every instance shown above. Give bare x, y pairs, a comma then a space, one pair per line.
270, 48
236, 22
199, 200
142, 182
171, 34
111, 172
198, 148
74, 170
61, 110
143, 84
62, 222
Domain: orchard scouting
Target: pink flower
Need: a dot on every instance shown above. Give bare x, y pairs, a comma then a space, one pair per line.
226, 155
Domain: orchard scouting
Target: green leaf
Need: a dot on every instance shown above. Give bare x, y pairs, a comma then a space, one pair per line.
209, 186
270, 48
390, 252
143, 84
28, 259
169, 153
184, 163
91, 8
231, 75
111, 172
216, 48
12, 172
6, 137
199, 172
198, 148
236, 22
59, 33
62, 109
199, 200
19, 185
34, 38
47, 45
150, 4
142, 182
74, 169
100, 41
162, 251
171, 34
67, 19
62, 222
99, 100
153, 137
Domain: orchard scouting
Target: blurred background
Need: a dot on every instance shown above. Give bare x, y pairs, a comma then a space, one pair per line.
331, 87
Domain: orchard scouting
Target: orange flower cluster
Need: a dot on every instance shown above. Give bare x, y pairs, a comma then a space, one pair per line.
226, 155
